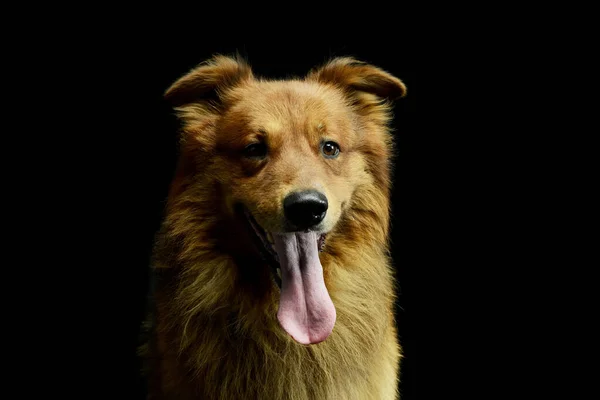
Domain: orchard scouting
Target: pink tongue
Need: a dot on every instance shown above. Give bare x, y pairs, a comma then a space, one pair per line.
306, 311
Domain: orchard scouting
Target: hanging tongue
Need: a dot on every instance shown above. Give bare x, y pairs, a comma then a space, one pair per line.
306, 311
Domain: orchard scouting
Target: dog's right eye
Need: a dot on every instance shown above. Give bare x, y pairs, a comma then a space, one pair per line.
255, 151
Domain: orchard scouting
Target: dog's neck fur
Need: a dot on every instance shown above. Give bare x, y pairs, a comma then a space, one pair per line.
240, 321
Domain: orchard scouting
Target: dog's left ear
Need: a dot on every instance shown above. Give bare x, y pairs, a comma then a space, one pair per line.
353, 75
209, 80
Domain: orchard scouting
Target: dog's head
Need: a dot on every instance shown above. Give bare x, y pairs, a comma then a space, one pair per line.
288, 155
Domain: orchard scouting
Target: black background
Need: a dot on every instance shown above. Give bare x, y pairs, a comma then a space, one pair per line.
146, 170
92, 147
96, 145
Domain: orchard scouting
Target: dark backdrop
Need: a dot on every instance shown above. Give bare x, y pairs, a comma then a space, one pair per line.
140, 130
94, 87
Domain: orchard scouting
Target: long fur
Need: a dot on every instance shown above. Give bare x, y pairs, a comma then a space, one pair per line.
213, 331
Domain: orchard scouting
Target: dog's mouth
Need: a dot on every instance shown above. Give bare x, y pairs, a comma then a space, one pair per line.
265, 245
306, 311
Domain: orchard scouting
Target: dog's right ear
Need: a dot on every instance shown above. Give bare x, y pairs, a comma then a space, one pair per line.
208, 80
357, 76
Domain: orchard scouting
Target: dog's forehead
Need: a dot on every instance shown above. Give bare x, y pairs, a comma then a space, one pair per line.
275, 106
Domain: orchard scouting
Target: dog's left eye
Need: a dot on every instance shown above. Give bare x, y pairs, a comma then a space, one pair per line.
330, 149
255, 150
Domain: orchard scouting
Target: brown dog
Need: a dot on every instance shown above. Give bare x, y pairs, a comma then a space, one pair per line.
274, 273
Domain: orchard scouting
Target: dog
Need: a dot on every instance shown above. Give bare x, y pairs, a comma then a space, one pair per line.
273, 278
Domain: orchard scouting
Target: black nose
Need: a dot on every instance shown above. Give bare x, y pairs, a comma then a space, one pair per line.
305, 209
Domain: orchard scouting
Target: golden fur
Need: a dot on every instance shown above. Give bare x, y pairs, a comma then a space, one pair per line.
214, 331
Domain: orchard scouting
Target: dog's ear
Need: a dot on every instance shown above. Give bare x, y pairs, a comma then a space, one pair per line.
353, 75
199, 95
208, 80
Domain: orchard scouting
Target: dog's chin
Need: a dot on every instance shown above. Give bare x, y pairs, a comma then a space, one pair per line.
264, 242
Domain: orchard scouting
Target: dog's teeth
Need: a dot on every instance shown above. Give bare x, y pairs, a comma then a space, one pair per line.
321, 243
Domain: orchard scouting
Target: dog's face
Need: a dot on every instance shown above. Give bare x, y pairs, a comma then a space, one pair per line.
288, 157
291, 153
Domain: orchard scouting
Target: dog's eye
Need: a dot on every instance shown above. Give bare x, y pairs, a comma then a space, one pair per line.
330, 149
255, 150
